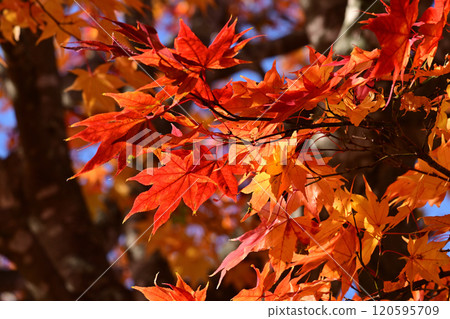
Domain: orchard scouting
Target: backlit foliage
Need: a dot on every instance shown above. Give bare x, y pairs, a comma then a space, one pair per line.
296, 207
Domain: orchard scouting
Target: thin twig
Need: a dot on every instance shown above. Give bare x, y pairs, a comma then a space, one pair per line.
56, 21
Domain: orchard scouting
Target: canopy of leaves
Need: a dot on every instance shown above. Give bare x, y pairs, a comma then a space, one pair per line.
264, 127
261, 149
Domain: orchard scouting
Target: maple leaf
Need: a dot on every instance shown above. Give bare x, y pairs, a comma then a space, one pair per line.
356, 110
313, 291
250, 98
286, 289
223, 175
175, 181
220, 54
182, 178
65, 26
260, 93
321, 69
437, 70
115, 50
93, 85
372, 215
278, 233
338, 252
424, 259
321, 191
358, 61
183, 65
180, 292
312, 85
411, 102
249, 242
130, 71
282, 172
393, 31
427, 185
433, 21
261, 189
288, 171
343, 258
139, 102
264, 281
142, 34
440, 224
316, 254
111, 130
285, 234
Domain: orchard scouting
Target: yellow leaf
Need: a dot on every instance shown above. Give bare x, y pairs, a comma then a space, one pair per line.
416, 189
356, 112
93, 85
261, 190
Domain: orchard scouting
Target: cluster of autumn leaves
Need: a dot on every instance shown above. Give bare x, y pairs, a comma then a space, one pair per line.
259, 122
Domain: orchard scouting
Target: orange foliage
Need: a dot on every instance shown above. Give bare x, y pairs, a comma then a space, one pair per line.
255, 145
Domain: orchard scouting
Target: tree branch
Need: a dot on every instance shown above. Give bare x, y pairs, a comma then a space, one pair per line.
416, 285
432, 163
56, 20
257, 51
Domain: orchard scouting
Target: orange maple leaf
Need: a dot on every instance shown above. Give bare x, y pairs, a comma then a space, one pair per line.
427, 185
219, 55
138, 102
440, 224
93, 85
264, 281
278, 233
424, 259
180, 292
372, 215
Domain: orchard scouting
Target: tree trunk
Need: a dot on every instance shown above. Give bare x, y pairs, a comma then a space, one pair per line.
53, 208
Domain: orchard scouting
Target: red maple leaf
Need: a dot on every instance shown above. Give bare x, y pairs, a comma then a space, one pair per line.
111, 130
183, 177
432, 22
143, 34
219, 55
183, 65
278, 232
393, 30
175, 181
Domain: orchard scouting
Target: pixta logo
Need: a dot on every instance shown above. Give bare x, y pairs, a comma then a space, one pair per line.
140, 147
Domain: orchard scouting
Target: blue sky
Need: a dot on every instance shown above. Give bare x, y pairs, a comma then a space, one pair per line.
7, 123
